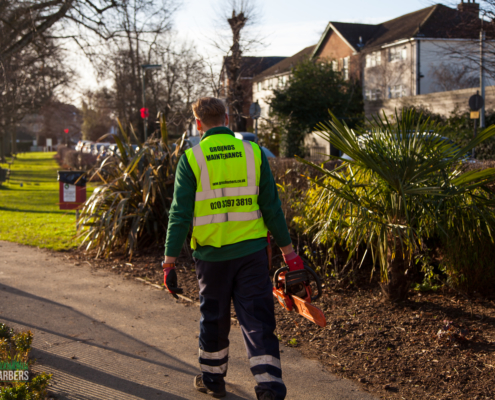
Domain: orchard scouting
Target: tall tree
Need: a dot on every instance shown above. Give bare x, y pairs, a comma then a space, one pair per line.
235, 39
139, 27
28, 79
97, 113
313, 90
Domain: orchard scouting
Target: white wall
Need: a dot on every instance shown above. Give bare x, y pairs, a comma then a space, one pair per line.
440, 58
265, 94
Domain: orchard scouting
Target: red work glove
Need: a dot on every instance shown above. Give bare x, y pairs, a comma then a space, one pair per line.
170, 279
293, 261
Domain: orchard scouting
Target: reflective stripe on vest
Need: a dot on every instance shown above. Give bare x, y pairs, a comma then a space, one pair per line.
250, 189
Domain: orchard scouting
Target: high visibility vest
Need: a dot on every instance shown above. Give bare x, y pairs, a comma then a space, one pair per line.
226, 209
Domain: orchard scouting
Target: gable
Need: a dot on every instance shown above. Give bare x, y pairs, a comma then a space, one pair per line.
333, 47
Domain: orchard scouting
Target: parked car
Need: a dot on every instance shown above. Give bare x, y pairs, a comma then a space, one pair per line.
82, 143
252, 137
87, 148
98, 147
194, 140
268, 153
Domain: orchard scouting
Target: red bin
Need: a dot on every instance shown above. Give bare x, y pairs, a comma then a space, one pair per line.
72, 189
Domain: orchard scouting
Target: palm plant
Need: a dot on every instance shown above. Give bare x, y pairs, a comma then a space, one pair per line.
130, 208
402, 184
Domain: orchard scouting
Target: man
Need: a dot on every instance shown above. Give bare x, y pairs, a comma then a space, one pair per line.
225, 188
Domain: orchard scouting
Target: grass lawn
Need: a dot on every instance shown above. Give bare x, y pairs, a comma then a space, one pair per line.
29, 211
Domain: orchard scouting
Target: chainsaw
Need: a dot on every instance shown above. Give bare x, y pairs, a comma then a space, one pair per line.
293, 291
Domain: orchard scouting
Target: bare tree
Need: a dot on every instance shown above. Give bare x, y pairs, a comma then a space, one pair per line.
28, 79
139, 28
465, 25
453, 77
26, 21
237, 19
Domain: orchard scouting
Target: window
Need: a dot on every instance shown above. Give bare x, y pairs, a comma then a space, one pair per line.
284, 80
372, 94
335, 65
345, 68
373, 59
281, 81
259, 86
397, 54
396, 91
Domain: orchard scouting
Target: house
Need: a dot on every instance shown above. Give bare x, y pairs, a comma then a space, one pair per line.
434, 49
276, 76
423, 52
249, 68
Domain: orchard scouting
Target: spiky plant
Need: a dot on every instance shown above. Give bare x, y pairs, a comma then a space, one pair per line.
130, 208
402, 184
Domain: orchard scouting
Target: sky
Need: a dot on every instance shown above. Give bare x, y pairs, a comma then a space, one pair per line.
291, 25
287, 26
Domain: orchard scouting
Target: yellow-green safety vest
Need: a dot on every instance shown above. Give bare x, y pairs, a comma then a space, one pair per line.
226, 209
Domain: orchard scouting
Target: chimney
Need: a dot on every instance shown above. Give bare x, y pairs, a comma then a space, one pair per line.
469, 7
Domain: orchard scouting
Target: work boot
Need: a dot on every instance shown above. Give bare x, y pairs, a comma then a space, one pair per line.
200, 387
266, 396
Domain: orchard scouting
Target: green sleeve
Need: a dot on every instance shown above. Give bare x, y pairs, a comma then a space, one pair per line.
270, 205
182, 209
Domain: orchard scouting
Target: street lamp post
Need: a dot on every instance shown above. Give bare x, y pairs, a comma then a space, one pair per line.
144, 68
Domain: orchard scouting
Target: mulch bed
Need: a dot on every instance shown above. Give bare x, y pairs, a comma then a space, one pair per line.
435, 345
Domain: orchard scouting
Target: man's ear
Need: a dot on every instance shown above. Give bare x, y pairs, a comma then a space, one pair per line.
198, 124
226, 119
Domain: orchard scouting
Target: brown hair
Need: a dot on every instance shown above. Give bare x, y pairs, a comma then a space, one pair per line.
210, 111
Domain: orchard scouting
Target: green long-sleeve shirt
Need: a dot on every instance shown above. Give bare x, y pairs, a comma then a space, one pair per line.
182, 210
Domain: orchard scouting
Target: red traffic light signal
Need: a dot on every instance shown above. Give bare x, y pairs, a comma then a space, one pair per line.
145, 113
66, 130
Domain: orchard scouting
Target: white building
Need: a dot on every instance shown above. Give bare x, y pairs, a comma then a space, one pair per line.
435, 49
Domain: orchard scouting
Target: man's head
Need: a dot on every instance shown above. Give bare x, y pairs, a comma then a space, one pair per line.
209, 112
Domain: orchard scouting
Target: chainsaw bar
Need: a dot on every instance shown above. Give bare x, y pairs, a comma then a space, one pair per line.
309, 311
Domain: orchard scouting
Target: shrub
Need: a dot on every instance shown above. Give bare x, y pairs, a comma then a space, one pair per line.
69, 158
15, 348
130, 208
399, 188
469, 263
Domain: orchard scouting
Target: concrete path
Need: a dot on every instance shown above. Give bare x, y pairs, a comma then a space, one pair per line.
104, 337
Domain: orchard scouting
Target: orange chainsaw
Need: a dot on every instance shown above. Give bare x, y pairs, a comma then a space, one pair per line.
293, 291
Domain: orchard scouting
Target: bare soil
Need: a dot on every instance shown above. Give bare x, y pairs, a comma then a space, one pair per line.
435, 345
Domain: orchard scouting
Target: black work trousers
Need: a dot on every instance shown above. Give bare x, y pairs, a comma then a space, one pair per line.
246, 281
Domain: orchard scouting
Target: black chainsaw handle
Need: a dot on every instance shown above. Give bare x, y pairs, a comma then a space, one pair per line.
277, 273
317, 280
310, 271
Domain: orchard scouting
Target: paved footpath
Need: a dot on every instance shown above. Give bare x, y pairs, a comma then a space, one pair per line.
105, 337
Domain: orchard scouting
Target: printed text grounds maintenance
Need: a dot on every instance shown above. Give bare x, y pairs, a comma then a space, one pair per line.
223, 156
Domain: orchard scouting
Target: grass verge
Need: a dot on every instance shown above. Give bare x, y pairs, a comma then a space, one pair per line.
29, 211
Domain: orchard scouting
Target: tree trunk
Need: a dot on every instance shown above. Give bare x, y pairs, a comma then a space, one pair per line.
13, 141
2, 148
235, 95
397, 287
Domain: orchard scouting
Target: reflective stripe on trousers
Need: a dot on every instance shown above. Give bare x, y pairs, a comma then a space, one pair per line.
217, 355
212, 358
265, 360
221, 369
